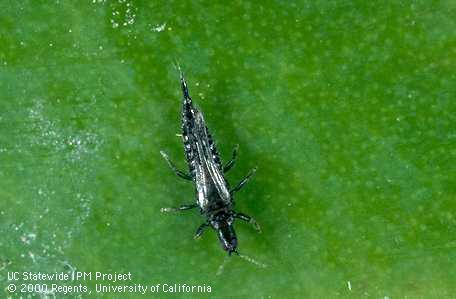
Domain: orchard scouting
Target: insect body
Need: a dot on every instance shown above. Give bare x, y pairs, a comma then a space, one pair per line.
214, 197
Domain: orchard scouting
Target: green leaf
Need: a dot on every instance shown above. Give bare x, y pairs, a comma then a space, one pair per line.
347, 108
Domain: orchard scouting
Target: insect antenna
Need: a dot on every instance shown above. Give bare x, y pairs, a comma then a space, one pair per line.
251, 260
222, 266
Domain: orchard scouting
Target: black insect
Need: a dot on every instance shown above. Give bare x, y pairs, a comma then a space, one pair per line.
214, 198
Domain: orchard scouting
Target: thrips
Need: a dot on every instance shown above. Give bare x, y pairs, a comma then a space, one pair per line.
214, 197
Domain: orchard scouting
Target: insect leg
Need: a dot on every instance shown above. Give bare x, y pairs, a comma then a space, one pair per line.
200, 230
243, 182
181, 208
230, 163
248, 219
174, 168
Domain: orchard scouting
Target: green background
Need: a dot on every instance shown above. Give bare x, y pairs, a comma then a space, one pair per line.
347, 108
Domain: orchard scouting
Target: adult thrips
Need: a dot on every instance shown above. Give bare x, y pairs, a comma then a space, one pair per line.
214, 197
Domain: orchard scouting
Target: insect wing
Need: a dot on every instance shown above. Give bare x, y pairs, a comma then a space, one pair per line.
203, 185
206, 158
